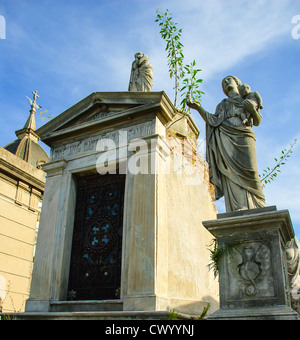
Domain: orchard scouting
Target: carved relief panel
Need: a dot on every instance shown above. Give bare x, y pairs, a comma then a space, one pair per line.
251, 271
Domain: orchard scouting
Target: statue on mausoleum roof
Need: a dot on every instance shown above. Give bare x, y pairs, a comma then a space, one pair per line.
141, 78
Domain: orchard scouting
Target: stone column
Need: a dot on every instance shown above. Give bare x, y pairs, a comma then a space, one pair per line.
44, 265
145, 267
253, 270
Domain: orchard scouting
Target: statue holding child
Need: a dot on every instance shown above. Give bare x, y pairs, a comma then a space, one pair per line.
231, 149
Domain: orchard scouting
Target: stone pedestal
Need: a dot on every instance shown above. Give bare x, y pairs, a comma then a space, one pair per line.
253, 276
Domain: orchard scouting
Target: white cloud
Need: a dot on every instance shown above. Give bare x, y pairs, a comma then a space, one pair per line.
220, 34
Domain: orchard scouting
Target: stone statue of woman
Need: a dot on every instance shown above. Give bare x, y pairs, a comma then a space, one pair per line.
231, 150
141, 78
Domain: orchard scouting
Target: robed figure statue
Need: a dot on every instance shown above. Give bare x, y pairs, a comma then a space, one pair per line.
141, 77
231, 150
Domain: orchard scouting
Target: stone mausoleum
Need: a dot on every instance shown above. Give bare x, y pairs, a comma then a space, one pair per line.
121, 226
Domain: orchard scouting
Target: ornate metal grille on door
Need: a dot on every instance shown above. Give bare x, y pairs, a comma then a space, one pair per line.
95, 271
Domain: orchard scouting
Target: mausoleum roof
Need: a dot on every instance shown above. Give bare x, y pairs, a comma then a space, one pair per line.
29, 151
105, 110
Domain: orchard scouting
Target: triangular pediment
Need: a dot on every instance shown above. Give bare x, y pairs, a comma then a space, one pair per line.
95, 113
105, 107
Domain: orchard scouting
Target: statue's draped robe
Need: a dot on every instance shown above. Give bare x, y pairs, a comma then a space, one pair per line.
231, 155
141, 78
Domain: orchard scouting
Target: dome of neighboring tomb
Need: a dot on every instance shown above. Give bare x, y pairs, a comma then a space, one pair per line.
26, 146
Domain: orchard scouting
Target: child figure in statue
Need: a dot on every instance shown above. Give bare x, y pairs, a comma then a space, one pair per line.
245, 92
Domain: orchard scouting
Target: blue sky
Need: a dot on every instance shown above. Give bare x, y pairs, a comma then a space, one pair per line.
67, 49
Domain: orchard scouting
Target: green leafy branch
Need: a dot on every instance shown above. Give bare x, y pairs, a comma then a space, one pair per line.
191, 85
171, 34
270, 174
184, 75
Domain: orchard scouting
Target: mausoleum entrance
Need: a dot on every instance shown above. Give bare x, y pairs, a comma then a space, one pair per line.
95, 271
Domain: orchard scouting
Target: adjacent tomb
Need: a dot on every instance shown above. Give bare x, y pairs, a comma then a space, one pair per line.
22, 184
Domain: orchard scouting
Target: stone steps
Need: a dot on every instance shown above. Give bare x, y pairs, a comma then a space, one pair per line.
86, 306
105, 315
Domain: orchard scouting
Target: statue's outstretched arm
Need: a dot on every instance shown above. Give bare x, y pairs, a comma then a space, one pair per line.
190, 103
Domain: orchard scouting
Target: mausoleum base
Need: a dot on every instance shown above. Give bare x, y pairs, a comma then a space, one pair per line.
259, 313
253, 275
89, 316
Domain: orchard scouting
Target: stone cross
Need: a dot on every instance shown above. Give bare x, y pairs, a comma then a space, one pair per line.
33, 102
